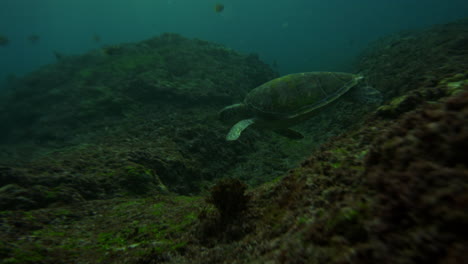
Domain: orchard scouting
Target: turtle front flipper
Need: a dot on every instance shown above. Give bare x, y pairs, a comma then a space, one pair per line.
289, 133
237, 129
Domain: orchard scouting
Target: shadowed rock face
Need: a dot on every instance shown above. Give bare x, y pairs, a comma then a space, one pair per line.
419, 171
400, 63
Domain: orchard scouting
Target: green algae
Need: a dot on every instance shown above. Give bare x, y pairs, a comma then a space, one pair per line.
114, 230
316, 214
22, 256
393, 107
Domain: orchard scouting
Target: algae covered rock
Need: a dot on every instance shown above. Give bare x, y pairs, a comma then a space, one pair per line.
410, 60
390, 189
419, 171
83, 93
151, 104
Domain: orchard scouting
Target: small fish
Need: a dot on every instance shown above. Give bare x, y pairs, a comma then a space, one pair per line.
4, 40
219, 8
96, 38
58, 55
34, 38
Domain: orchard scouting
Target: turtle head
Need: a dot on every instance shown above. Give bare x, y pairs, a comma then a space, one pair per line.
233, 113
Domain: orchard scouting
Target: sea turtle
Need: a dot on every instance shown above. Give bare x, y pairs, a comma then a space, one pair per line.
291, 99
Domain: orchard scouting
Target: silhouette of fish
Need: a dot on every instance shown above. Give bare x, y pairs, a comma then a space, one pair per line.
34, 38
96, 38
4, 40
219, 8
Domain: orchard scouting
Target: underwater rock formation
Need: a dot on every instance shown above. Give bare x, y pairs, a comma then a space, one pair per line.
391, 189
411, 60
152, 102
110, 84
419, 170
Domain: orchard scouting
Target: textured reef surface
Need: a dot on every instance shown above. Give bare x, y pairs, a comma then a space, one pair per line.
117, 156
150, 106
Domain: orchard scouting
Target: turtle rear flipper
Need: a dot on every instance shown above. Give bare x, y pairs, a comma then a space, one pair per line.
289, 133
367, 95
237, 129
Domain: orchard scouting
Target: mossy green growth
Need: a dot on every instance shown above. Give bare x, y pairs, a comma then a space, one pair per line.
110, 240
362, 154
343, 218
138, 179
44, 233
29, 215
347, 223
456, 83
168, 223
336, 165
164, 246
303, 219
396, 106
456, 87
394, 103
62, 212
123, 208
22, 256
52, 194
126, 64
85, 73
339, 151
158, 208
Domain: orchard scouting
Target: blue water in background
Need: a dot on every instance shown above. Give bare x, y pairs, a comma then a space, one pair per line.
300, 35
